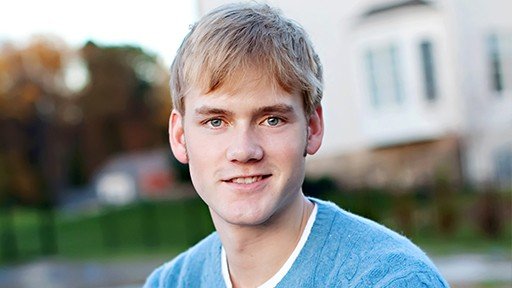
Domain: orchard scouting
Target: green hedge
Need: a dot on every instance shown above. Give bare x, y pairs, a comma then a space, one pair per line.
144, 226
455, 222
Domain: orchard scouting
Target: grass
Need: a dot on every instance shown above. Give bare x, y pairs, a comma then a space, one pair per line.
460, 243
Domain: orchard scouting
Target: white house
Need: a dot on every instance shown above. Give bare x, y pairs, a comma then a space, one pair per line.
414, 90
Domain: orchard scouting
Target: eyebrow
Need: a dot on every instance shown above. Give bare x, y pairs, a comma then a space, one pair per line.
206, 110
278, 108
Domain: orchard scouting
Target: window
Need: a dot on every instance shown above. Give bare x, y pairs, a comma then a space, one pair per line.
384, 76
494, 55
504, 168
499, 49
429, 77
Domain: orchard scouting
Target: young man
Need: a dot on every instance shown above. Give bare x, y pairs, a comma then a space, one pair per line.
246, 86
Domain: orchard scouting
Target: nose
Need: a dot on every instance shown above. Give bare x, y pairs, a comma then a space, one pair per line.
244, 147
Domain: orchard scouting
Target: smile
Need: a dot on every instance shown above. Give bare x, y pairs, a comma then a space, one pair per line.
247, 180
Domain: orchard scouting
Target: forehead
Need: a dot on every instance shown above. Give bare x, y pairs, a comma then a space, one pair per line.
250, 89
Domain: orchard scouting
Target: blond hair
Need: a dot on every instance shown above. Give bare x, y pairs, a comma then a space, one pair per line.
238, 37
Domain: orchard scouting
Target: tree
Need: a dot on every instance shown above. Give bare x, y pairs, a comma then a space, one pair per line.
123, 103
56, 133
32, 99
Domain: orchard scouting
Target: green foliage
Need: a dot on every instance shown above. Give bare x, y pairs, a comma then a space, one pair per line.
48, 127
172, 226
142, 227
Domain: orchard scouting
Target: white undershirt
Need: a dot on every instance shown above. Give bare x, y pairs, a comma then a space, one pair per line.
274, 280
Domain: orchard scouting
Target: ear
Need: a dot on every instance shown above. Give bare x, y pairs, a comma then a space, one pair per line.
177, 137
315, 131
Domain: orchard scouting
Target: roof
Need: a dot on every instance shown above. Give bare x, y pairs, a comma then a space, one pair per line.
394, 6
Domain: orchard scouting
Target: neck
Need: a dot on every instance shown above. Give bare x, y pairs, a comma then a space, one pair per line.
256, 253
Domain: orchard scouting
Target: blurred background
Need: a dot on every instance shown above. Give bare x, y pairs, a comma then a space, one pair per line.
418, 111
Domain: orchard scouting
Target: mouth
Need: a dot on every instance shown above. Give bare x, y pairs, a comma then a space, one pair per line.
247, 179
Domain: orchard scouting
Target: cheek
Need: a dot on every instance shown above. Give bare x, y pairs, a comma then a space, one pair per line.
205, 153
288, 156
290, 144
200, 155
201, 145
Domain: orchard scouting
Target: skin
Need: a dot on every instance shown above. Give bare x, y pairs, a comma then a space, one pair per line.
245, 146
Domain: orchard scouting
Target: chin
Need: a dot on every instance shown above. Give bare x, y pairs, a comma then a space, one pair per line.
245, 217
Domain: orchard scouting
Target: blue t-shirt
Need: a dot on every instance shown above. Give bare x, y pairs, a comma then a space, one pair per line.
342, 250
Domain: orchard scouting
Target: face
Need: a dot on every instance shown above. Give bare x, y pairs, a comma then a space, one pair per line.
246, 148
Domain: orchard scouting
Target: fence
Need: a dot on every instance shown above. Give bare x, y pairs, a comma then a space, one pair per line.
458, 219
26, 233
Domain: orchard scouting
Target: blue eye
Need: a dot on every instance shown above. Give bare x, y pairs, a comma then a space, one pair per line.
216, 123
273, 121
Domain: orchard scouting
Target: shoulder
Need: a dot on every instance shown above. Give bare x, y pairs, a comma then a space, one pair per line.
365, 252
400, 269
361, 235
182, 271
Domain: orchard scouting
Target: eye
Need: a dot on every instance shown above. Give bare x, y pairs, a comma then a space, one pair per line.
273, 121
215, 122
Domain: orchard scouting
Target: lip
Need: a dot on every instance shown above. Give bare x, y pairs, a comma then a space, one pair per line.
248, 187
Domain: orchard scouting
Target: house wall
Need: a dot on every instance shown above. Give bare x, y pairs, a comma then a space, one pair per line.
414, 117
488, 113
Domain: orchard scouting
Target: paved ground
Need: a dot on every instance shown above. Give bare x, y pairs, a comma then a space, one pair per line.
471, 269
468, 270
59, 274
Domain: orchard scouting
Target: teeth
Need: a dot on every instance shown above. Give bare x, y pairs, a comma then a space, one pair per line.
247, 180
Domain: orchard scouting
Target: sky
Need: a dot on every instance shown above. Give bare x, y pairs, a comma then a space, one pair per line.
158, 26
